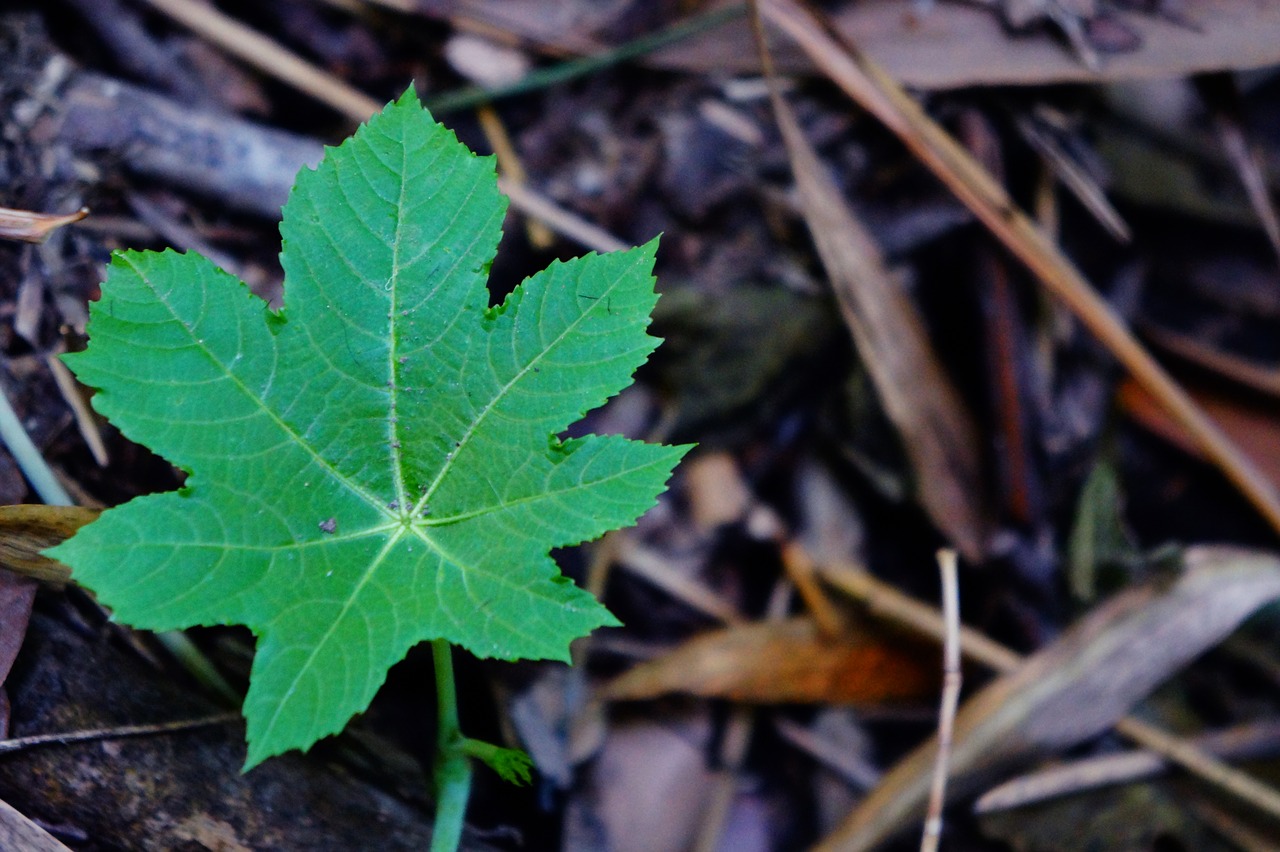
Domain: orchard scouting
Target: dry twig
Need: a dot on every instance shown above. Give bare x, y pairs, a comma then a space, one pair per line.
950, 698
22, 743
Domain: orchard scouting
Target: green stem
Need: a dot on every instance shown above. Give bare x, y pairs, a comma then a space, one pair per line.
453, 767
542, 78
481, 750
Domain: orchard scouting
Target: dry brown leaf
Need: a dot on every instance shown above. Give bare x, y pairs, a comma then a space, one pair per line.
27, 530
937, 431
953, 45
18, 832
17, 595
1253, 426
29, 227
783, 662
647, 789
1079, 686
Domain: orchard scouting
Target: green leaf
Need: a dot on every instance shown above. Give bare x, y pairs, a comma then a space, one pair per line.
377, 465
512, 765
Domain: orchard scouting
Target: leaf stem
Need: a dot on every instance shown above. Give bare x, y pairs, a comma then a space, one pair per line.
452, 767
471, 96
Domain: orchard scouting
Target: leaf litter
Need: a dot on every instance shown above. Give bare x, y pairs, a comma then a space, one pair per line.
765, 377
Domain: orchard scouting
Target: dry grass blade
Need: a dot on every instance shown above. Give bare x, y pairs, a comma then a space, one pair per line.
28, 227
1255, 375
13, 435
1239, 784
1222, 96
652, 566
883, 601
1249, 741
261, 52
1077, 181
876, 92
540, 236
85, 421
950, 698
937, 431
558, 219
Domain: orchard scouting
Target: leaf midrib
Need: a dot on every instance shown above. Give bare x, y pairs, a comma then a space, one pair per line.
503, 391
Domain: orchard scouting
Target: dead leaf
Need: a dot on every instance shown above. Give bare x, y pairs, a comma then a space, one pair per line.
27, 530
1252, 426
1077, 687
954, 45
18, 832
1136, 816
784, 662
17, 594
29, 227
647, 788
938, 433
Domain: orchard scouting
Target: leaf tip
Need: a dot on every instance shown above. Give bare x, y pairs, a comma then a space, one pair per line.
409, 98
254, 757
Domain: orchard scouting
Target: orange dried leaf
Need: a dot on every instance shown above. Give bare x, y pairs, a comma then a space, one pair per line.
1252, 426
782, 662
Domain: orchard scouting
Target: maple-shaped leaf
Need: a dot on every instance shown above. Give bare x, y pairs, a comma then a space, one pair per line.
378, 464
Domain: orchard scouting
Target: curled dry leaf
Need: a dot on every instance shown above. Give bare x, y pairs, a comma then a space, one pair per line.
1079, 686
27, 530
782, 662
937, 431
